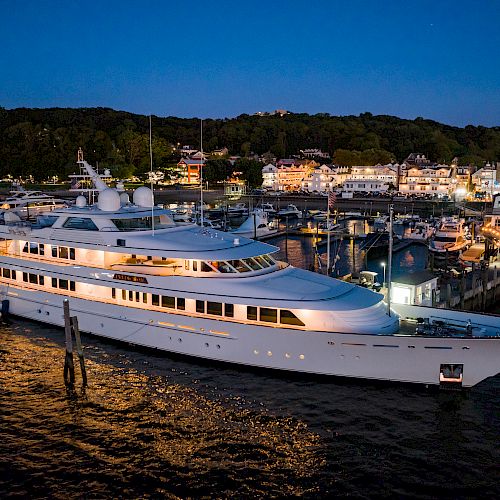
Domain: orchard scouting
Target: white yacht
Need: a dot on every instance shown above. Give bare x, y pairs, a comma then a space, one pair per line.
256, 226
290, 211
31, 203
131, 273
449, 240
422, 231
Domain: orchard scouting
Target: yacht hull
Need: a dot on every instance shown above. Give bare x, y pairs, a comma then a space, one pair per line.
401, 358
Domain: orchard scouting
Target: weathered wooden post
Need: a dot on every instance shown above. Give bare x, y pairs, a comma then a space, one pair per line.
79, 349
69, 367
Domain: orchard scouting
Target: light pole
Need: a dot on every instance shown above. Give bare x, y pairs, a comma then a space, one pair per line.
383, 266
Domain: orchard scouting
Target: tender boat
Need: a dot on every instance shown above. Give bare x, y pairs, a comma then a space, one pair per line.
131, 273
31, 203
422, 231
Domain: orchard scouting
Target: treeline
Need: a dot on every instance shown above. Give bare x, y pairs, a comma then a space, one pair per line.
43, 142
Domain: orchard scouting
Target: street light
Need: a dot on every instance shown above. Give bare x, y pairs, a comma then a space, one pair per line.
383, 265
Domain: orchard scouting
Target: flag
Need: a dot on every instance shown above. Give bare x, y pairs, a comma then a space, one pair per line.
332, 198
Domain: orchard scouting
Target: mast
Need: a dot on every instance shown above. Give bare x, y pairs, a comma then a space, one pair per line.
151, 176
201, 172
328, 236
389, 261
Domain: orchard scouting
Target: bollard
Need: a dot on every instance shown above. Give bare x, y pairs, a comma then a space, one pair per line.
69, 367
79, 349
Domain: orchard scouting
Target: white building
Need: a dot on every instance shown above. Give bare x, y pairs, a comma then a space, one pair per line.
419, 288
487, 180
314, 153
436, 180
321, 179
368, 186
270, 177
371, 178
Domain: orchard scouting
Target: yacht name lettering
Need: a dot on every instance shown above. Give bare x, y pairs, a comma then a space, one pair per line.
126, 277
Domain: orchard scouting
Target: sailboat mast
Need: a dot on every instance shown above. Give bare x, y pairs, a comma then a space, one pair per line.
151, 176
201, 173
389, 261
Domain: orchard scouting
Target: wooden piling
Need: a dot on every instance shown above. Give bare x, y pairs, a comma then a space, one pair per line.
69, 366
79, 349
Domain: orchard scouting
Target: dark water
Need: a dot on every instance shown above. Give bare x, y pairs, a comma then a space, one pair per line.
152, 426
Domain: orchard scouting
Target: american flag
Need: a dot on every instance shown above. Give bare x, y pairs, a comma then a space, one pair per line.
75, 184
332, 198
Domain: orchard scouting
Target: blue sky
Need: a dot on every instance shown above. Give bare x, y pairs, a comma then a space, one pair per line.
438, 59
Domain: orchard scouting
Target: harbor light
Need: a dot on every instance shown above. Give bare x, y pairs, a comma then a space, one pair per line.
383, 266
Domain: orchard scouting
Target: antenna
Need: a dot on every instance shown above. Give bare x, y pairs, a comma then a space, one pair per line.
151, 176
201, 172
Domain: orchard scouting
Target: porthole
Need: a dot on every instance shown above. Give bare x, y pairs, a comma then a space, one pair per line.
255, 352
301, 356
47, 313
287, 355
269, 353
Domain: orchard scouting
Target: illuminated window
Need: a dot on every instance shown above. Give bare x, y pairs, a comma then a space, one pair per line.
268, 315
168, 302
288, 318
214, 308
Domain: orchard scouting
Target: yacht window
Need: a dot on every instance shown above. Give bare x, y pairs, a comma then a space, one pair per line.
41, 280
41, 249
82, 223
54, 282
137, 296
142, 223
124, 294
113, 293
145, 298
252, 313
130, 295
181, 303
253, 264
72, 286
224, 267
268, 315
54, 251
63, 284
6, 273
168, 302
14, 276
72, 254
229, 310
186, 265
25, 277
195, 265
288, 318
205, 268
46, 220
269, 259
214, 308
200, 306
155, 300
261, 261
239, 265
63, 253
33, 278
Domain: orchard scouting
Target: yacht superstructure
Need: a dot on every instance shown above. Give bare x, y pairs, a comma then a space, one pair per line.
132, 273
449, 239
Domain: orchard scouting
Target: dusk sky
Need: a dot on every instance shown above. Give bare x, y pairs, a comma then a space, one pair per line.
438, 59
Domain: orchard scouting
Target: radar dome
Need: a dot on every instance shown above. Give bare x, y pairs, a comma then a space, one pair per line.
80, 201
109, 200
143, 197
124, 199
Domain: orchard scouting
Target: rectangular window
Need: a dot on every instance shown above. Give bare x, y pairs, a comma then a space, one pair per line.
252, 313
214, 308
33, 279
268, 315
63, 252
229, 310
54, 282
155, 299
137, 296
41, 280
41, 249
186, 265
14, 274
54, 251
124, 294
195, 265
205, 268
200, 306
181, 303
6, 273
63, 284
288, 318
72, 253
145, 298
113, 293
25, 277
168, 302
130, 295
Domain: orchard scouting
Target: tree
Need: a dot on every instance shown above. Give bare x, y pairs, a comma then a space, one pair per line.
251, 171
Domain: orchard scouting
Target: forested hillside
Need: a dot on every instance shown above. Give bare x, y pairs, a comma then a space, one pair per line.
43, 142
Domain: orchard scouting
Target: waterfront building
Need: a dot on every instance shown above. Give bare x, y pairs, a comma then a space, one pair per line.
418, 288
487, 180
320, 180
270, 177
189, 170
368, 179
435, 180
287, 175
